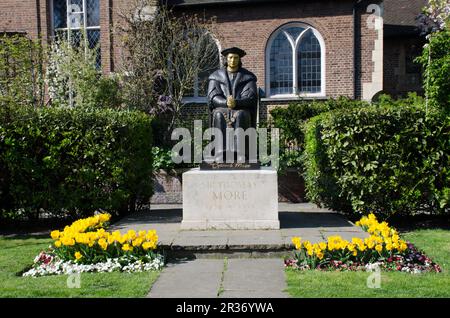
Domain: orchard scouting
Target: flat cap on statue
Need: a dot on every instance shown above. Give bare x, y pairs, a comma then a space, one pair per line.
234, 50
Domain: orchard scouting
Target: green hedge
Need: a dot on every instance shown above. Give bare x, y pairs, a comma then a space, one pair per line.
379, 159
291, 119
73, 161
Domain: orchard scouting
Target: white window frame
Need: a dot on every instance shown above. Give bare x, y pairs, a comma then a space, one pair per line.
68, 26
294, 46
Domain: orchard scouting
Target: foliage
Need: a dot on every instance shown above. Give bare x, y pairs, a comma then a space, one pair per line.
384, 247
321, 184
290, 120
164, 54
74, 79
73, 161
385, 159
435, 59
434, 16
21, 79
162, 159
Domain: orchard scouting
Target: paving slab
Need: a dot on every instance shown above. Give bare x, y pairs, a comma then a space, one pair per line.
203, 242
200, 278
257, 238
254, 278
224, 278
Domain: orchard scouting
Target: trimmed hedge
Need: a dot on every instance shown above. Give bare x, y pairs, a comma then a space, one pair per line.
381, 159
73, 161
290, 120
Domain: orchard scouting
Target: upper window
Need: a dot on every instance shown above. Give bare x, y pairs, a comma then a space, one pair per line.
295, 60
72, 17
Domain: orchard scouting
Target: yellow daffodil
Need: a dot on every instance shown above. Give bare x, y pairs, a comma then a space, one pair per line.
131, 234
148, 245
127, 247
297, 241
78, 255
403, 246
137, 242
55, 234
103, 244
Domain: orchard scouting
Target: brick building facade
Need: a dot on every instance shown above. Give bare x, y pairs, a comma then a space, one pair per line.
322, 49
344, 51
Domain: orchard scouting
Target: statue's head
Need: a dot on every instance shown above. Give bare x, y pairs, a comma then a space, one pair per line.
233, 58
233, 61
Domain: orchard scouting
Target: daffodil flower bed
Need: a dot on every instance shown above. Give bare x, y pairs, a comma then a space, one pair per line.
383, 249
85, 246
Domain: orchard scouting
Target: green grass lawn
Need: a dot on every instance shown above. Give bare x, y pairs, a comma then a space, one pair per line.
16, 254
435, 243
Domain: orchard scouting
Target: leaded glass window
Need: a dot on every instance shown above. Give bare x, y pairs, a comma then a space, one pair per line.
295, 61
72, 17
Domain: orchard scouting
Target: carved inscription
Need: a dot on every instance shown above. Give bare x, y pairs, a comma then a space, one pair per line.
229, 190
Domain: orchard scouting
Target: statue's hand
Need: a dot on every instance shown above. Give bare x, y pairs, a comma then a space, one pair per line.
231, 102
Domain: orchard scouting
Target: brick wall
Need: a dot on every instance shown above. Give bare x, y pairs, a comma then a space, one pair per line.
399, 77
250, 27
245, 25
28, 16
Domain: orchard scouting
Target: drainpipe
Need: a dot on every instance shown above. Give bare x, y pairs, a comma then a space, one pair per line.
38, 17
355, 49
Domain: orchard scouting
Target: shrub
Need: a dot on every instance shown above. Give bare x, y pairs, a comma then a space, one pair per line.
290, 120
162, 159
321, 183
386, 160
73, 161
435, 59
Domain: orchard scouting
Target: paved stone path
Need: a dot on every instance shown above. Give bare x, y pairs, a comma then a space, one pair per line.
303, 219
223, 278
210, 274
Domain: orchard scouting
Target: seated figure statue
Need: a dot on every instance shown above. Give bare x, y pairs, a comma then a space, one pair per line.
232, 98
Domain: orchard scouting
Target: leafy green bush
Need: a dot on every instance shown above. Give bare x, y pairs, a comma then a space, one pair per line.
385, 159
162, 158
320, 181
73, 160
435, 60
290, 120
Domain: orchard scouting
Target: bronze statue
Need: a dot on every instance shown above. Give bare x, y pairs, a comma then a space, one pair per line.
232, 97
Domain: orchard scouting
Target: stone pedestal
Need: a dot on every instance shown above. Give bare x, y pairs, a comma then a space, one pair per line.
229, 199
